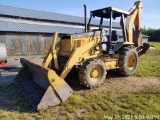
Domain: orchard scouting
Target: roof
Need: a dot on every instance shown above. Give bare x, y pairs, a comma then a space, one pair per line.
21, 27
145, 36
106, 12
49, 16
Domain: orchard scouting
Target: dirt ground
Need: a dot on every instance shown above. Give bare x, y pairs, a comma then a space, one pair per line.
113, 80
130, 84
120, 84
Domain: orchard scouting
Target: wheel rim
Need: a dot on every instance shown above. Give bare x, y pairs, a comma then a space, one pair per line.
132, 61
96, 73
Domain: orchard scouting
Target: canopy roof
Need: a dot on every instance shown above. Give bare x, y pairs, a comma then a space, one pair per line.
106, 12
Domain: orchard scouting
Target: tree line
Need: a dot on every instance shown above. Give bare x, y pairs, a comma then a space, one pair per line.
153, 33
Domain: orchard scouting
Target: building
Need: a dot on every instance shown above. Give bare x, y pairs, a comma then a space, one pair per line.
27, 31
145, 38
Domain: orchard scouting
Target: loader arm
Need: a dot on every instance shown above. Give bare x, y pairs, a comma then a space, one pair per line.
77, 55
52, 54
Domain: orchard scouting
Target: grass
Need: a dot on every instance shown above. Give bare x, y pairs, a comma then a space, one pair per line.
156, 45
149, 63
89, 105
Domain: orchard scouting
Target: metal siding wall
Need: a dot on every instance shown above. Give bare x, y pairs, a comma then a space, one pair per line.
11, 45
2, 37
145, 40
27, 43
46, 42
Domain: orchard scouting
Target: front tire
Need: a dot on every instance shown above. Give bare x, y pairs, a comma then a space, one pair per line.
92, 73
128, 60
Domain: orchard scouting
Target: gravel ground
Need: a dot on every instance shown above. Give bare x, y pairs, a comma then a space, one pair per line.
8, 73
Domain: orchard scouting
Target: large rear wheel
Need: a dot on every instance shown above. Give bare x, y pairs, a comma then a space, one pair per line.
128, 60
92, 73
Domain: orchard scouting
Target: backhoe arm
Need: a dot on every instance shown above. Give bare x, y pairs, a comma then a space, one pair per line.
133, 28
134, 19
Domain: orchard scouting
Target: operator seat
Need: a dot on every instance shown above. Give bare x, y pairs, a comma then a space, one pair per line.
115, 36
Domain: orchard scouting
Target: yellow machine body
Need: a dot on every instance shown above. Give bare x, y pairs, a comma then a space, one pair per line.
78, 49
83, 51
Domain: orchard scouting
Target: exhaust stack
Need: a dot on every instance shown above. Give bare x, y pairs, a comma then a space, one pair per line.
85, 18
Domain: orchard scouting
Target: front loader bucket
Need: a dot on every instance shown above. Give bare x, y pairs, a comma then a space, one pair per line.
41, 86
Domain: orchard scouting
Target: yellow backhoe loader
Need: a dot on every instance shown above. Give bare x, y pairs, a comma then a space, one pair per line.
93, 52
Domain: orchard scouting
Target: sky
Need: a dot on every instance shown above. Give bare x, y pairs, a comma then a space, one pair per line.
150, 12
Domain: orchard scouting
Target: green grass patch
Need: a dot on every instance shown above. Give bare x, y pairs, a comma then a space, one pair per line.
93, 105
155, 44
149, 64
90, 105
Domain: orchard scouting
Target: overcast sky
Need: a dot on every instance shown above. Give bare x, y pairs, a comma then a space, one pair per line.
150, 13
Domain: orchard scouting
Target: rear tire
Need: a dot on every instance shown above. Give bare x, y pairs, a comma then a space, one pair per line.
92, 73
128, 60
